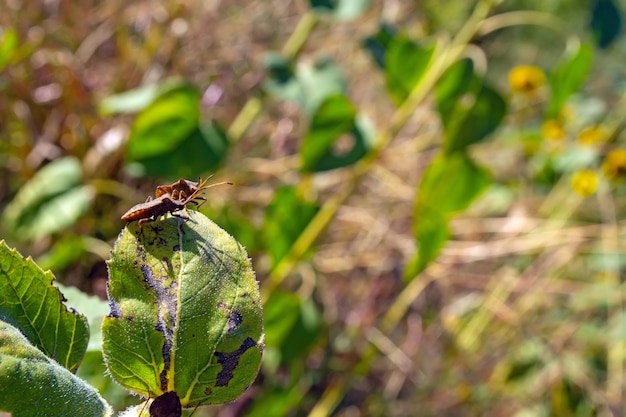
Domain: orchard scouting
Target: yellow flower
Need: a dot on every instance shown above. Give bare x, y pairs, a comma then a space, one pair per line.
585, 182
552, 129
526, 79
614, 164
592, 135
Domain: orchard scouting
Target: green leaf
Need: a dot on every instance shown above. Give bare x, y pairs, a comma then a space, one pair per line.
378, 44
335, 118
131, 101
165, 123
8, 45
31, 384
285, 218
65, 252
293, 326
606, 22
449, 185
51, 201
202, 150
307, 85
567, 77
469, 108
93, 308
341, 9
185, 312
405, 64
30, 302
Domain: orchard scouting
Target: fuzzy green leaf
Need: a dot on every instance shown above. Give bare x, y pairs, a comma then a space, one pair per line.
30, 302
185, 312
31, 384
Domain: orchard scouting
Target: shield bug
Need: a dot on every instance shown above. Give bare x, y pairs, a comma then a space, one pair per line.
179, 190
166, 203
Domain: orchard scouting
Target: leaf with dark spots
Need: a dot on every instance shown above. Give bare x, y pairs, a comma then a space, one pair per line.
230, 361
192, 291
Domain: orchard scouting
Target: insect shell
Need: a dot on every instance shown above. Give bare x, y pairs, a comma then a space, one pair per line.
180, 189
152, 209
183, 192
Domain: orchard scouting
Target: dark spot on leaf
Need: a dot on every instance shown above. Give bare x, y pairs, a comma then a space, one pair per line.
166, 405
163, 298
234, 320
208, 391
115, 312
176, 248
230, 361
234, 317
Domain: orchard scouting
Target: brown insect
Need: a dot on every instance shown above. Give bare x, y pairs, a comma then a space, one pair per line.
179, 190
165, 203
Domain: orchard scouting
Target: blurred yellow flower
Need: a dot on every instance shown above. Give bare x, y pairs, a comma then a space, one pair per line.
592, 135
552, 129
585, 182
614, 164
526, 79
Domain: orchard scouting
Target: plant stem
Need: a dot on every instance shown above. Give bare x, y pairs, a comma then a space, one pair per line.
443, 58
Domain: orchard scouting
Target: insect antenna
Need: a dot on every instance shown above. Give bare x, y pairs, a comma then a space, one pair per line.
202, 187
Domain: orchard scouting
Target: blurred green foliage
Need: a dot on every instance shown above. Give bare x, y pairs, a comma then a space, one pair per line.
472, 148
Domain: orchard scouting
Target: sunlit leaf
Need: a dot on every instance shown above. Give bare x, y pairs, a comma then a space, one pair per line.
66, 251
31, 384
165, 123
185, 313
567, 77
308, 85
341, 9
293, 326
335, 118
202, 150
134, 100
8, 45
606, 22
30, 302
52, 200
405, 64
285, 218
93, 308
449, 185
470, 109
378, 44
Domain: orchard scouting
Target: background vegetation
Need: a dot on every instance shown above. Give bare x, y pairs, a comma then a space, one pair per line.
431, 192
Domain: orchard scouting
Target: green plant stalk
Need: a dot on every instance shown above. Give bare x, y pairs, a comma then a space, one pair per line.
616, 350
301, 33
443, 58
244, 119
